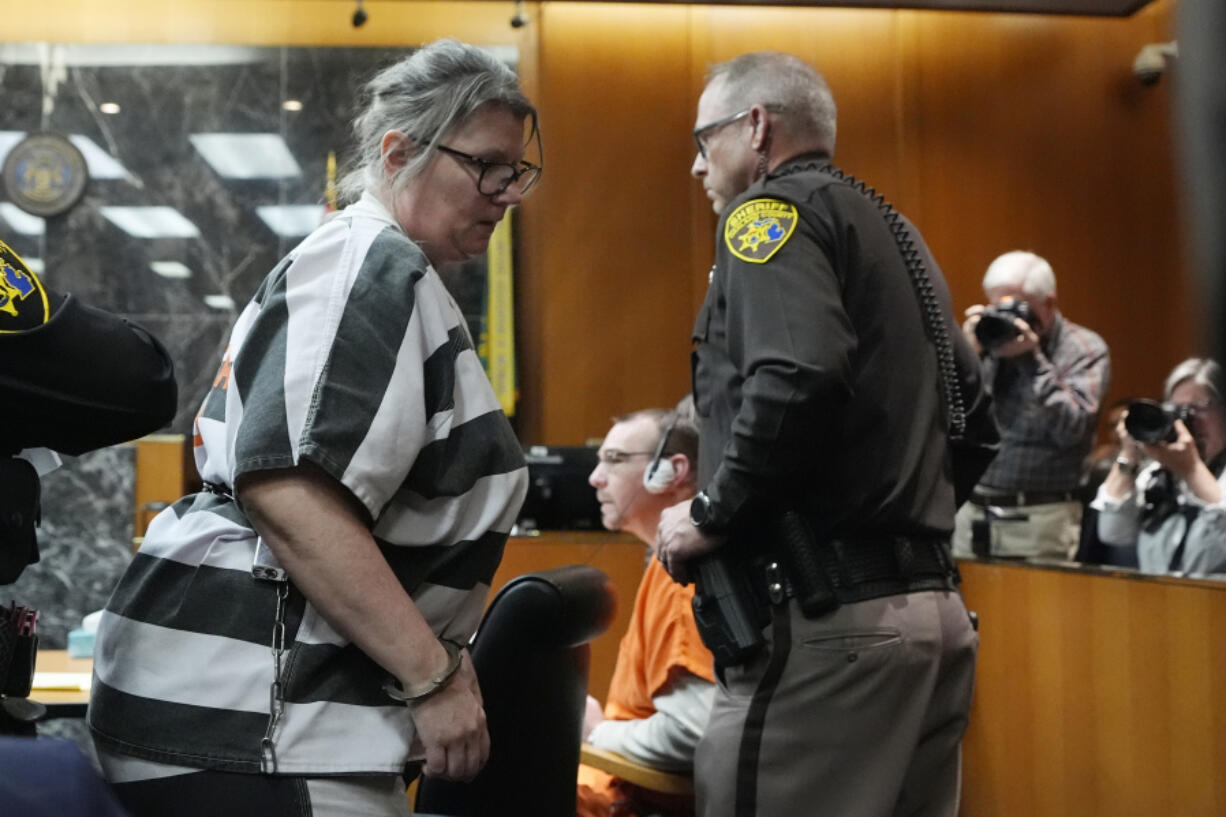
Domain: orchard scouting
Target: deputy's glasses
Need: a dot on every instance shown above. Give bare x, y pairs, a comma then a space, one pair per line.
497, 177
702, 132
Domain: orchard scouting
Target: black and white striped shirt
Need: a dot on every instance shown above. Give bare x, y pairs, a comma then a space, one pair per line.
351, 355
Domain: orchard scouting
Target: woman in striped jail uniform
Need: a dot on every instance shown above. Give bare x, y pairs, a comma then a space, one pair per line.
289, 639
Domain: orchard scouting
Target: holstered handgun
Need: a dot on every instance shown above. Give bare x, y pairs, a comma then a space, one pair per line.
725, 611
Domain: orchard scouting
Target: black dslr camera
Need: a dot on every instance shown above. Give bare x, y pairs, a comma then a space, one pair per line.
1151, 422
996, 327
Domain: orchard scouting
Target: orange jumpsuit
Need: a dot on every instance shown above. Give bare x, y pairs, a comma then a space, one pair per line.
661, 640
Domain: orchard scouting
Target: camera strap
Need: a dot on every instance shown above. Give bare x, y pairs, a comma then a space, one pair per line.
1161, 510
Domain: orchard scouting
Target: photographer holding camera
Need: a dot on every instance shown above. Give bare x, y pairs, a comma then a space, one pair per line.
1047, 376
1171, 510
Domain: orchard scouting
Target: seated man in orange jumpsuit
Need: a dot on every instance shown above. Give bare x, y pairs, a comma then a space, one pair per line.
661, 692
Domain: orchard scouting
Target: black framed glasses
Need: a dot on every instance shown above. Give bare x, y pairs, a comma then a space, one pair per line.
703, 131
498, 177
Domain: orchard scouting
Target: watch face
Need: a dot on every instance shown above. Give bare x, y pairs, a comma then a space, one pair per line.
700, 510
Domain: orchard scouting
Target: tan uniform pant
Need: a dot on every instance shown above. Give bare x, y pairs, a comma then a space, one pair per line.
859, 714
1051, 530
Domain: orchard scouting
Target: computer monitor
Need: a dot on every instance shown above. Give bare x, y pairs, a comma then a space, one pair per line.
559, 496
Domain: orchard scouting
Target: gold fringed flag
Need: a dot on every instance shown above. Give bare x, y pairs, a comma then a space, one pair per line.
497, 345
330, 184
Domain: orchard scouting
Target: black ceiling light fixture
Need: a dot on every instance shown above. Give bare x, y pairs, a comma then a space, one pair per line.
359, 15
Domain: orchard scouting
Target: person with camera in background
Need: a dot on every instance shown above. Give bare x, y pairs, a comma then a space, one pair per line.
1047, 376
1171, 510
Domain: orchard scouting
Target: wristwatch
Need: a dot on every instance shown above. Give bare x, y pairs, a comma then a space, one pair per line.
704, 516
1130, 467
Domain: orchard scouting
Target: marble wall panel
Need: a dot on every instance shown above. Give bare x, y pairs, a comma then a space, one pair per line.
84, 541
165, 95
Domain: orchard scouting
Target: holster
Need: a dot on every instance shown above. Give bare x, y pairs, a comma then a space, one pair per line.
737, 586
727, 610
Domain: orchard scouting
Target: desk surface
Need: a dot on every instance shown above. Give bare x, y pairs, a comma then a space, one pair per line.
59, 679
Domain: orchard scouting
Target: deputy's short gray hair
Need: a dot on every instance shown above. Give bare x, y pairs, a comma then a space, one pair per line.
426, 95
783, 83
1021, 269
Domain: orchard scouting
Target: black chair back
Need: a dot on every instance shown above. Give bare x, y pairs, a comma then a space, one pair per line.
531, 655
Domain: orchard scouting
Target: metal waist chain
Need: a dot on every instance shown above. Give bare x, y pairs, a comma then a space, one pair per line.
276, 692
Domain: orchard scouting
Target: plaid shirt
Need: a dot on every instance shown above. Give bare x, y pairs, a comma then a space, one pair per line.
1046, 405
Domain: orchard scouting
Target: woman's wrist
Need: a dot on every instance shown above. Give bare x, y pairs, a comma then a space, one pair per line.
1203, 485
1129, 466
414, 691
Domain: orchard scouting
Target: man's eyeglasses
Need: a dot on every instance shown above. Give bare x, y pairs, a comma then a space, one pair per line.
704, 131
612, 456
497, 177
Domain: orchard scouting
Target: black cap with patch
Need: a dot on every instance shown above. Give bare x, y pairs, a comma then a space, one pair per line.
24, 303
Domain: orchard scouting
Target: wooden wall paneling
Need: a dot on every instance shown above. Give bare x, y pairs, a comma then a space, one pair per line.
614, 287
1095, 695
261, 22
1034, 134
703, 219
160, 463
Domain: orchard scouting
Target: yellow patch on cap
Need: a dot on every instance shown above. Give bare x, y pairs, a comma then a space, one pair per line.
758, 228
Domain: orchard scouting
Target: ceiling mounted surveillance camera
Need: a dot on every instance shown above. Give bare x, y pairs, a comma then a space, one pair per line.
1151, 61
519, 19
359, 16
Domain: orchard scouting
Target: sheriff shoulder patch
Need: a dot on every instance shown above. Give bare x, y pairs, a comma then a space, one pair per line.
758, 228
23, 301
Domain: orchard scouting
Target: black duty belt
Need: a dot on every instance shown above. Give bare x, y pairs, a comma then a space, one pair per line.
868, 568
1019, 499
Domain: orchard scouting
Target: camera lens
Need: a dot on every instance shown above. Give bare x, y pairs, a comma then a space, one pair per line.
1150, 422
995, 329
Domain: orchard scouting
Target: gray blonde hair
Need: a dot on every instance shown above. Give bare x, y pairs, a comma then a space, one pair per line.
783, 83
1200, 370
426, 95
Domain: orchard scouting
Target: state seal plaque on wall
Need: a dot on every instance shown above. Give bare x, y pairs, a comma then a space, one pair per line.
45, 174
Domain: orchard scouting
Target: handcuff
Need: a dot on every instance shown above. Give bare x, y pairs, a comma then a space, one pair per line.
455, 656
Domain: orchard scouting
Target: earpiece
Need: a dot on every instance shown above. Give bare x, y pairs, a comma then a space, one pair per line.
660, 474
